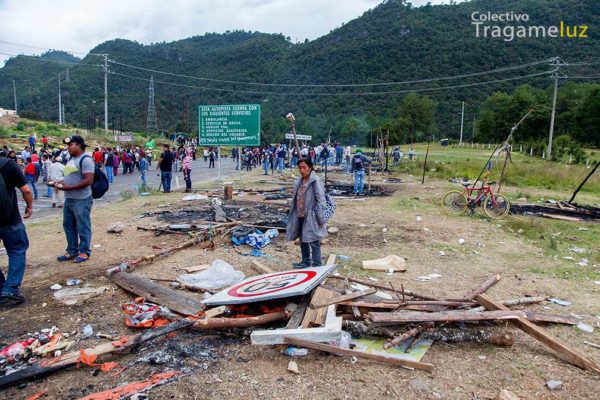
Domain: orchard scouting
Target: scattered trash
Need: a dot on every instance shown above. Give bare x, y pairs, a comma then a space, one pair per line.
56, 286
554, 385
295, 351
560, 302
115, 227
97, 246
342, 257
581, 228
373, 279
583, 263
219, 275
585, 327
442, 253
333, 230
597, 282
71, 296
293, 367
569, 258
195, 196
73, 282
87, 331
390, 263
461, 241
255, 238
578, 250
426, 278
419, 218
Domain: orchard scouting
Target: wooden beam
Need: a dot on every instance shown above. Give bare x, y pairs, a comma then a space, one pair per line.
543, 336
157, 293
261, 268
338, 299
553, 318
331, 259
515, 302
299, 312
317, 317
347, 352
215, 312
482, 289
404, 317
225, 323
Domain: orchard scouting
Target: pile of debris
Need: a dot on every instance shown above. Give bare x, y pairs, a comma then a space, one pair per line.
561, 210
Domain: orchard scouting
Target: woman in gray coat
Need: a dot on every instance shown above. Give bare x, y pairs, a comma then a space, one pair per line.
306, 219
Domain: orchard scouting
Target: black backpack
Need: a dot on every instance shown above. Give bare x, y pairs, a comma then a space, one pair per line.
357, 162
5, 197
100, 184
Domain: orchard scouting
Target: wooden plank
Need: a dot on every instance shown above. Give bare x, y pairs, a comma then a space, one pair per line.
197, 268
573, 356
338, 299
482, 289
404, 317
261, 268
553, 318
317, 317
331, 259
157, 293
47, 367
382, 287
347, 352
215, 312
298, 314
331, 332
515, 302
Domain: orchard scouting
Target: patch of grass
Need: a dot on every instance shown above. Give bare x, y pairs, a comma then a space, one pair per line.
127, 194
571, 272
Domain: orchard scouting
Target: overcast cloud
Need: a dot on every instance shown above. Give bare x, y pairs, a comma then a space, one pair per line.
78, 26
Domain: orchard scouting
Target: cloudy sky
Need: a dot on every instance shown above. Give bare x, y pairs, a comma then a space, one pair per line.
33, 26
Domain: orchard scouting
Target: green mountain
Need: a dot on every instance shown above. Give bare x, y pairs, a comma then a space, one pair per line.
390, 43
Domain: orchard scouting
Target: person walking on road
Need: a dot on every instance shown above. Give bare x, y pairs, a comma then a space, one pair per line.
186, 167
12, 231
77, 212
31, 176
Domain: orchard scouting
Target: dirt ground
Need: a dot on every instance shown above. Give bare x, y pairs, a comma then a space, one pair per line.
225, 365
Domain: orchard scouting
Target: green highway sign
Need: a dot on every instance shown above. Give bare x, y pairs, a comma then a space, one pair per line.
229, 125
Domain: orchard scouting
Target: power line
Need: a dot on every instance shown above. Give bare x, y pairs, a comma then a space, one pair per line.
46, 48
503, 69
335, 94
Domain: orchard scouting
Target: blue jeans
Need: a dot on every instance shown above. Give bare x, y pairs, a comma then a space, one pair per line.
311, 251
143, 176
32, 185
16, 243
280, 163
266, 167
77, 223
359, 182
165, 178
294, 162
109, 174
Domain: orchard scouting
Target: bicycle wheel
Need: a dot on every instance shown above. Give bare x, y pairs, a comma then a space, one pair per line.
496, 206
454, 202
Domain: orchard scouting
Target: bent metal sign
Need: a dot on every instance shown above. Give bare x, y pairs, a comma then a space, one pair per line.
272, 286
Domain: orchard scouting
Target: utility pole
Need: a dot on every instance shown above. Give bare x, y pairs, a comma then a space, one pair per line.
556, 62
151, 119
105, 93
462, 122
59, 103
15, 95
63, 114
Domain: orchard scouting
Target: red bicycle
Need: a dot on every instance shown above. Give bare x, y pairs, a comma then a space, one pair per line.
456, 202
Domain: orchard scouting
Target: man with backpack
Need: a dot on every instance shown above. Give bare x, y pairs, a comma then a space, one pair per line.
12, 230
358, 168
77, 211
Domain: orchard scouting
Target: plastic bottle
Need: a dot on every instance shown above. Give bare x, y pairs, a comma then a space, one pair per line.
73, 282
343, 257
295, 351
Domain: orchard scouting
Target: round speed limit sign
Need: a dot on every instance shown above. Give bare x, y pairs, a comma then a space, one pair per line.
271, 284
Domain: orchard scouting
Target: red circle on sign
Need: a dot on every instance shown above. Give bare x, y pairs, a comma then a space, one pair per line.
234, 290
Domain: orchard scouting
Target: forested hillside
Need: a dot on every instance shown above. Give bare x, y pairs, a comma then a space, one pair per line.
393, 42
